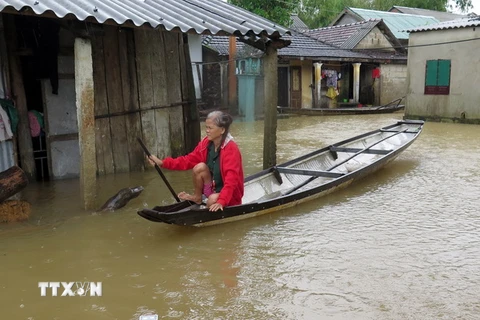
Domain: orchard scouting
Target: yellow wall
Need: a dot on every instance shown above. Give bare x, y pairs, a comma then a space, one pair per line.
307, 76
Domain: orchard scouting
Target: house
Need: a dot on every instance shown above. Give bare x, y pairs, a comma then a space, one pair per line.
387, 57
103, 73
396, 22
443, 74
367, 59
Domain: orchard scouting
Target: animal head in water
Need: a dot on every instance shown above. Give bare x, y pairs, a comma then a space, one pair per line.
121, 198
136, 191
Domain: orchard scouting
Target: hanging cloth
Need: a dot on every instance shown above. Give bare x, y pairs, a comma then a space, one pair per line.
12, 113
331, 93
34, 124
332, 78
5, 130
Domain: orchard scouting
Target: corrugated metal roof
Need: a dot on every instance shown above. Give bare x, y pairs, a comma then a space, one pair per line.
453, 24
439, 15
396, 22
199, 16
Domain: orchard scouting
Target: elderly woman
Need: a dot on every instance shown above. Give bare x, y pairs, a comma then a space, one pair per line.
216, 163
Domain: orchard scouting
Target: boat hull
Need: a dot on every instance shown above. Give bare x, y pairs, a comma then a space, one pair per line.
295, 182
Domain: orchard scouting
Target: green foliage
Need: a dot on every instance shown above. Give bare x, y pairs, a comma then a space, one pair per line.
275, 10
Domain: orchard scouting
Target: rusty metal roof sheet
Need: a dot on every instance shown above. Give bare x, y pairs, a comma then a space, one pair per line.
198, 16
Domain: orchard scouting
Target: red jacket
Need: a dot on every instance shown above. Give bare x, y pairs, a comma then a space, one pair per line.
230, 168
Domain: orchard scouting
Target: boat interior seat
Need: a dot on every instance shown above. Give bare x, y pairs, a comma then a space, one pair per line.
355, 150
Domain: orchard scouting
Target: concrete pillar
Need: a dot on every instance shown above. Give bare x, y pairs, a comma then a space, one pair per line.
356, 81
84, 94
318, 83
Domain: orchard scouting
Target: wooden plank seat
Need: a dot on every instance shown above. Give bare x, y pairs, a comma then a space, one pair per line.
355, 150
396, 131
312, 173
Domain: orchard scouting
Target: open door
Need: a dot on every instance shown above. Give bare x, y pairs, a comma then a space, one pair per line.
296, 87
283, 87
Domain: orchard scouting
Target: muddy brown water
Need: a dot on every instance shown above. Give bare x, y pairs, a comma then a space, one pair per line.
403, 243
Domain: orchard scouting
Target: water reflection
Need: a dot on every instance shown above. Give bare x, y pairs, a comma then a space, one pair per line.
400, 244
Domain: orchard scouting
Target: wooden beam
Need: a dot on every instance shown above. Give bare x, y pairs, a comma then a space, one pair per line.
270, 92
232, 77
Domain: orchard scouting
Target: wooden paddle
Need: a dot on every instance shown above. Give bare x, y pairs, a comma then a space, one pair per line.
158, 170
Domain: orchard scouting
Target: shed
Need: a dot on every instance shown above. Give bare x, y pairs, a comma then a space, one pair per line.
106, 72
443, 72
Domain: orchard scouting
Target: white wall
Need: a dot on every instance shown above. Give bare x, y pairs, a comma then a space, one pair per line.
464, 94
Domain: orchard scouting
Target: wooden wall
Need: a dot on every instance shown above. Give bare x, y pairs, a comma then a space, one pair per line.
138, 93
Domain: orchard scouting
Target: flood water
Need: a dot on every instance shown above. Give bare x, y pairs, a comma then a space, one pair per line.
403, 243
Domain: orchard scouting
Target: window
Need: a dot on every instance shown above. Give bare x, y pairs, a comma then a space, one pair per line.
437, 77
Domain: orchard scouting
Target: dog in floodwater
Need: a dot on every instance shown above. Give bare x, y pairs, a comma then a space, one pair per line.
121, 198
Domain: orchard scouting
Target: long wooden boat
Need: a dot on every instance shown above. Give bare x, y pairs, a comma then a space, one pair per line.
341, 111
305, 178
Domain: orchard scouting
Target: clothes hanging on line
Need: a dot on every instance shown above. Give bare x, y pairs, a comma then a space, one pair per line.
331, 76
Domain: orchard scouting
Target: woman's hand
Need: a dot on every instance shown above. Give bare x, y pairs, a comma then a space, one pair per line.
215, 207
154, 160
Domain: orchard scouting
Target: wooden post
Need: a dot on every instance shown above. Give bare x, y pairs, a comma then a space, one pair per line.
271, 97
223, 87
199, 75
232, 77
18, 94
84, 91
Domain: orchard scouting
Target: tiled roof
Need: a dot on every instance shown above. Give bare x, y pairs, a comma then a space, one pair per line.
198, 16
297, 23
345, 36
303, 46
396, 22
453, 24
